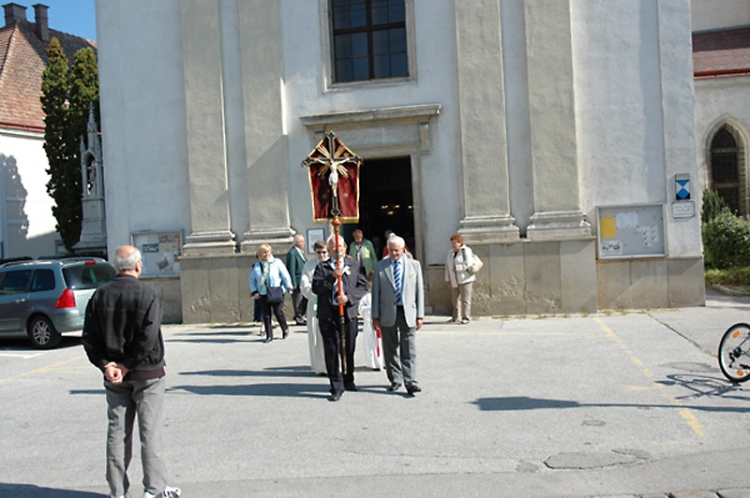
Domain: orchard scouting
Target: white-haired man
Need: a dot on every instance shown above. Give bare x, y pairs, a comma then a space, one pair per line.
398, 311
353, 288
122, 337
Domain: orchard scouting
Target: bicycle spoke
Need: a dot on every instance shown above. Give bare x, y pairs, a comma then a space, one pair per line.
734, 353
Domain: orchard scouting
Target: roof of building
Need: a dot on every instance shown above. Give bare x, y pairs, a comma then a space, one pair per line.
23, 59
721, 53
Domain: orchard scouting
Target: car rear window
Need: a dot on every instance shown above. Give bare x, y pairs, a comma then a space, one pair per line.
88, 276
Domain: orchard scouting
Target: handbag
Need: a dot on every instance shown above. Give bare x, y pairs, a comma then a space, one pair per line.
274, 295
477, 265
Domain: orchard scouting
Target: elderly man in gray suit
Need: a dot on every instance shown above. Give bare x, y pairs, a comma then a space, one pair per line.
398, 311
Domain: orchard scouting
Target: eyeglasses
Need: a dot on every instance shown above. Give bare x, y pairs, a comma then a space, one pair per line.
322, 252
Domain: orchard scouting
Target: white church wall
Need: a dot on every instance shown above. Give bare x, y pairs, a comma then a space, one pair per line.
28, 226
619, 102
623, 122
143, 121
706, 14
678, 110
435, 82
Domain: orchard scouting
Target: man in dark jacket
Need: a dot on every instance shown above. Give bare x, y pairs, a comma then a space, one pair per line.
295, 262
122, 337
325, 286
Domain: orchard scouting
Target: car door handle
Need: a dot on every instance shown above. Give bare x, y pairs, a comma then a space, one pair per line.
19, 301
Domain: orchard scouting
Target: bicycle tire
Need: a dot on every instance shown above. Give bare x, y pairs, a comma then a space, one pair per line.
734, 353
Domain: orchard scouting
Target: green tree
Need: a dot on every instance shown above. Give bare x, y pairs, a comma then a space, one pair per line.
726, 241
84, 91
66, 96
713, 205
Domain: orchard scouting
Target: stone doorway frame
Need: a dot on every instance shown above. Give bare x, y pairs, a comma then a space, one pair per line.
399, 131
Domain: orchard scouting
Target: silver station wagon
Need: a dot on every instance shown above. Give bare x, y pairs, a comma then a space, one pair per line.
45, 299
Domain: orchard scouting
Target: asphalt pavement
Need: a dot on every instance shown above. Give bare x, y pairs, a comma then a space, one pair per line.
613, 404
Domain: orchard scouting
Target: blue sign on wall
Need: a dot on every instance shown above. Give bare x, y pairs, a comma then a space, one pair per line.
682, 186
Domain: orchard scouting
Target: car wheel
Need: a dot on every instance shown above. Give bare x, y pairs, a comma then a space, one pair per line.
43, 334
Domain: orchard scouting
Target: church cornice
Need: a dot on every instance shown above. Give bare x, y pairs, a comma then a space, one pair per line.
415, 113
419, 115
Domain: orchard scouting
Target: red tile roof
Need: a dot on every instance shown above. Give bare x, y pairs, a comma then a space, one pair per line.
721, 53
23, 59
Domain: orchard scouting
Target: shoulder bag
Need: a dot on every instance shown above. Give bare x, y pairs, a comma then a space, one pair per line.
274, 295
475, 266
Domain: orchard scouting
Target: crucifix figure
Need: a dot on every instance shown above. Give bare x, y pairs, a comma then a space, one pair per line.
334, 180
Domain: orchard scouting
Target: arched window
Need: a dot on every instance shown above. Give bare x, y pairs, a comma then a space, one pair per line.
725, 174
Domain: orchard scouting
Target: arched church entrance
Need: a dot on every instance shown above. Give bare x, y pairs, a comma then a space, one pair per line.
386, 201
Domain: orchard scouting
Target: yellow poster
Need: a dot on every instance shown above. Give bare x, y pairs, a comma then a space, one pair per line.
608, 227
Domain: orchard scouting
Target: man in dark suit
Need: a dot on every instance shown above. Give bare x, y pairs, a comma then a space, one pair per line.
398, 311
325, 286
295, 261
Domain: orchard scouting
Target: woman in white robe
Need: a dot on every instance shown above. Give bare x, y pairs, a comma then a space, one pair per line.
314, 339
372, 343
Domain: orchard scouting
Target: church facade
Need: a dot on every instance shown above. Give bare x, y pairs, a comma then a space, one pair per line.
557, 136
721, 53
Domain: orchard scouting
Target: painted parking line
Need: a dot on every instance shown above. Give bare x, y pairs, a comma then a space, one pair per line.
685, 413
48, 368
24, 356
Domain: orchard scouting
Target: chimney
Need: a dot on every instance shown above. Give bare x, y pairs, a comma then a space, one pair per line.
42, 22
14, 13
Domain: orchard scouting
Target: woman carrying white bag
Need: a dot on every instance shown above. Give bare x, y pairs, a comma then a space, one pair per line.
461, 266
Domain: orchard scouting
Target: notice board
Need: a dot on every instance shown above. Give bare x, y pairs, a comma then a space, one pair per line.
160, 251
635, 231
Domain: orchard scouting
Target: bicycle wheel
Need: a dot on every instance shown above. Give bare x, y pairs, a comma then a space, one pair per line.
734, 353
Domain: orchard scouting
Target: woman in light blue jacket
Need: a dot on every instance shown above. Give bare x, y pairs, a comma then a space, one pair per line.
268, 273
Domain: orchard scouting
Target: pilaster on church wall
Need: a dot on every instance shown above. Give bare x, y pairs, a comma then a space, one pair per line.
553, 126
483, 140
207, 168
267, 173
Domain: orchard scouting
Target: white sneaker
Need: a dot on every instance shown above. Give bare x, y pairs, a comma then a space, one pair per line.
115, 496
167, 493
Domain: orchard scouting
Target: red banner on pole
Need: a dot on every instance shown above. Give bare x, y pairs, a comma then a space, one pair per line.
334, 180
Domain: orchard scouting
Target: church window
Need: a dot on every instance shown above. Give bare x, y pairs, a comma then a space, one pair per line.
369, 39
725, 178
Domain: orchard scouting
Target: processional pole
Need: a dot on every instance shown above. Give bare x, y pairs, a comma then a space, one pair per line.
336, 222
334, 185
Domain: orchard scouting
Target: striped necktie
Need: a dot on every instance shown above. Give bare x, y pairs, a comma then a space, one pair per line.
397, 281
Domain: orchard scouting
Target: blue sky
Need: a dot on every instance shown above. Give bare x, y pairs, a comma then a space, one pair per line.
69, 16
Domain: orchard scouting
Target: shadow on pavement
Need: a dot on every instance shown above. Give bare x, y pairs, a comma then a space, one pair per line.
290, 371
702, 386
31, 491
520, 403
286, 390
88, 392
24, 344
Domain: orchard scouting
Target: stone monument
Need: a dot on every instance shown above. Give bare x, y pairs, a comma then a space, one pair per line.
94, 224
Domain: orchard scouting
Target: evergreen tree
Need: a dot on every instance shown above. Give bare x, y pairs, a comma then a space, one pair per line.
84, 91
84, 95
66, 95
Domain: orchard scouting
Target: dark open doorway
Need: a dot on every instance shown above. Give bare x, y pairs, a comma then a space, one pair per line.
385, 201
